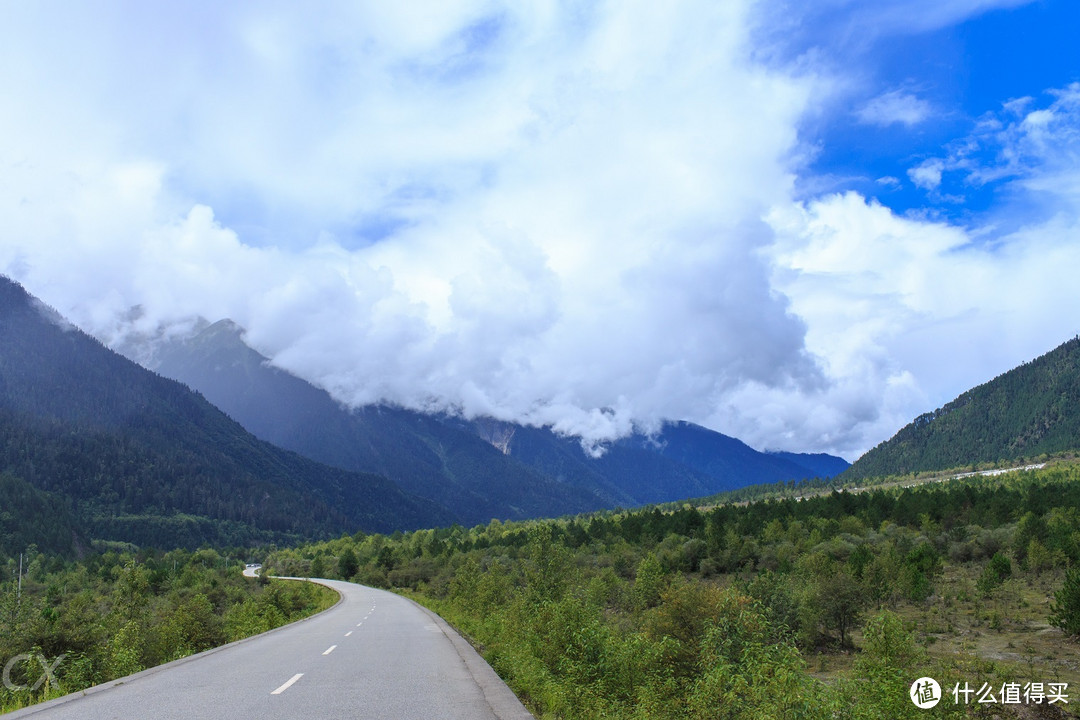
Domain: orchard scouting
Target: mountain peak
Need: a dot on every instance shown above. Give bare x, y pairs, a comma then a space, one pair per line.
12, 294
222, 336
225, 326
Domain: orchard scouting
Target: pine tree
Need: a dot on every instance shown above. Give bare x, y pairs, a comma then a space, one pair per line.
1065, 611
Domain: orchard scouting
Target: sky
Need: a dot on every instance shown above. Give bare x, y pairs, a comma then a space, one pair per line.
800, 224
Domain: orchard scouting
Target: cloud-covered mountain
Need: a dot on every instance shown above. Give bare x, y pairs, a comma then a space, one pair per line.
459, 470
92, 442
681, 460
480, 468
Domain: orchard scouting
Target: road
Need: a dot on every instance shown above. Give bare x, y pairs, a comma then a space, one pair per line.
373, 655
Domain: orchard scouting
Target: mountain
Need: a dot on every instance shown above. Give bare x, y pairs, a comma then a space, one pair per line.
481, 468
820, 465
1028, 411
681, 461
122, 453
420, 453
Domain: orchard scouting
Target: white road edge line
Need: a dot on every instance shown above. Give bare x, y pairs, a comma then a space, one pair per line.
329, 649
288, 684
348, 633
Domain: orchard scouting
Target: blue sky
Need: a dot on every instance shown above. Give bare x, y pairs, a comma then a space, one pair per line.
939, 84
802, 224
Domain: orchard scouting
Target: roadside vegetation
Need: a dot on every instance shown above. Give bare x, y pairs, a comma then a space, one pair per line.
825, 607
72, 624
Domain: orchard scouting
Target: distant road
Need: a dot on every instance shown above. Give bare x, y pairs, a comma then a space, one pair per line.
373, 655
925, 480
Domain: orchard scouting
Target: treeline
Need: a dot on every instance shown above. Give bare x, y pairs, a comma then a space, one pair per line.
55, 524
129, 484
711, 613
65, 626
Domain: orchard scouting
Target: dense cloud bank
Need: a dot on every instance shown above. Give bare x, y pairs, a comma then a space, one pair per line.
593, 218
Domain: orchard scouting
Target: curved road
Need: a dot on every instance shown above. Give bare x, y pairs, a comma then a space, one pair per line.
373, 655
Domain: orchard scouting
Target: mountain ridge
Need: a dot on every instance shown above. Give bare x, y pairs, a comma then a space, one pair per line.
474, 479
1031, 410
481, 467
139, 457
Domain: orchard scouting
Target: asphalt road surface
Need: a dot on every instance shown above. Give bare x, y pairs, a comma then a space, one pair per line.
373, 655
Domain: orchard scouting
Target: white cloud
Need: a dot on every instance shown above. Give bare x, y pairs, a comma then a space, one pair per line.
895, 107
537, 212
927, 174
569, 202
924, 15
840, 32
911, 313
1036, 150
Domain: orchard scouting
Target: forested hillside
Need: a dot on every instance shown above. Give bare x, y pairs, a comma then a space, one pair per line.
1029, 411
91, 442
829, 607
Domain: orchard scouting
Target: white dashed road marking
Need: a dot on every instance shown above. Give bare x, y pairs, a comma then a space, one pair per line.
288, 684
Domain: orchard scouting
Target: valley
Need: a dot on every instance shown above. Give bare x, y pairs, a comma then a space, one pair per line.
674, 574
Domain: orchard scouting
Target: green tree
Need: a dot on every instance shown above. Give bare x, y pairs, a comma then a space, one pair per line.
649, 583
881, 677
125, 650
348, 564
386, 559
132, 594
920, 565
1065, 610
464, 583
746, 672
995, 573
193, 626
1031, 527
318, 566
547, 567
841, 599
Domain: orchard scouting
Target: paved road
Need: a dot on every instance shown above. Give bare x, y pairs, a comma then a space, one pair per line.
373, 655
